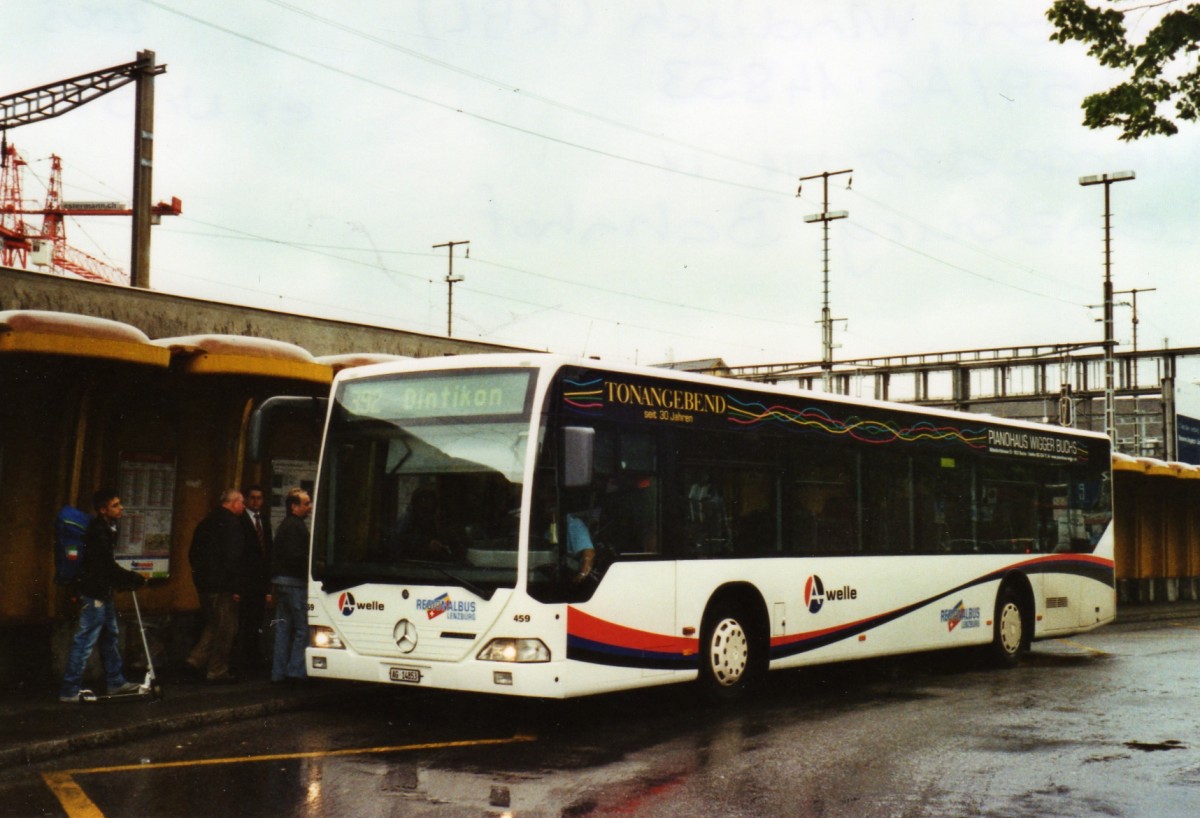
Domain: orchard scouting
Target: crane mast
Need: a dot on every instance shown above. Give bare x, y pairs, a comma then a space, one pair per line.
57, 98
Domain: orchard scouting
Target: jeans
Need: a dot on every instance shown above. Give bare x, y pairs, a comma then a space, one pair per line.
291, 632
97, 621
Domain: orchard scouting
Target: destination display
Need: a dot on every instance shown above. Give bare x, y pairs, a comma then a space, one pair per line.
488, 392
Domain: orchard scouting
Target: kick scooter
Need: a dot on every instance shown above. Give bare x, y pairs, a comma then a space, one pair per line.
148, 687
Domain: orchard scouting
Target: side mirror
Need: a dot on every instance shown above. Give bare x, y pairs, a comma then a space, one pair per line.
260, 419
579, 445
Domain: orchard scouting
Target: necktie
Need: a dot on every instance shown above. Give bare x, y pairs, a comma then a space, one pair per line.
258, 530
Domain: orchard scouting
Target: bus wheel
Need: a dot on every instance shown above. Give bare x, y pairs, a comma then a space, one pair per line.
1008, 636
727, 654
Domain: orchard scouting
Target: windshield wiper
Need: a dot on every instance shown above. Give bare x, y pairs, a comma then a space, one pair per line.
441, 568
464, 582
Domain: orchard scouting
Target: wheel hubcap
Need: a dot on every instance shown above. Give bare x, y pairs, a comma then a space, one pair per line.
729, 651
1010, 628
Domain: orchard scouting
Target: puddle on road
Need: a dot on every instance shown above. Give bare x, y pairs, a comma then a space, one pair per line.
1048, 659
1145, 747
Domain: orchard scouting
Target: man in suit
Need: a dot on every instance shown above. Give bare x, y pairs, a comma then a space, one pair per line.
256, 562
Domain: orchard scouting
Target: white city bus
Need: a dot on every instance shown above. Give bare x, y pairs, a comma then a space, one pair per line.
733, 528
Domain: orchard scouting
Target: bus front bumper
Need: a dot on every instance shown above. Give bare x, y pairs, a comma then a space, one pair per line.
535, 679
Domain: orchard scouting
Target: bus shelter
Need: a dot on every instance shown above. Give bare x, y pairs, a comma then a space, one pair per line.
1157, 519
91, 402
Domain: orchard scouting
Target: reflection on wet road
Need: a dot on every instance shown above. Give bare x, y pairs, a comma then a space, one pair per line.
1102, 724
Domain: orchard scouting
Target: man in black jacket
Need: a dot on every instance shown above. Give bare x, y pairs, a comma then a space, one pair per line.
99, 577
216, 558
289, 572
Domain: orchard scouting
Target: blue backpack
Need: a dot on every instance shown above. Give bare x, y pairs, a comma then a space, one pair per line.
70, 526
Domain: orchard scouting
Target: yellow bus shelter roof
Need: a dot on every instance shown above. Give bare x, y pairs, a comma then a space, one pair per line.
243, 355
45, 332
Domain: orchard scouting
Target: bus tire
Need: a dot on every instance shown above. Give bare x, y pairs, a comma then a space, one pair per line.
1009, 639
729, 653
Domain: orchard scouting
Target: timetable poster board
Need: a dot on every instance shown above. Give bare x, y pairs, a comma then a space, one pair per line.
146, 483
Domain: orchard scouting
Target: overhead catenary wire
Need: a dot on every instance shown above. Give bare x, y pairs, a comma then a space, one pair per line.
485, 291
574, 109
459, 110
625, 157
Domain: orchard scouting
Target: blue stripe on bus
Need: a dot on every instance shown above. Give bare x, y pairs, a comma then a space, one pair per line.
600, 653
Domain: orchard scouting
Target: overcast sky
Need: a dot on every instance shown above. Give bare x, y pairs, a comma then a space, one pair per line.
625, 172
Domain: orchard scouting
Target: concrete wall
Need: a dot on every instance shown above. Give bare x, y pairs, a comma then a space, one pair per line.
160, 315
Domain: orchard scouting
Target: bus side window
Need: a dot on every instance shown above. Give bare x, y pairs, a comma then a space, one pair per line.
727, 496
1092, 495
754, 528
887, 503
706, 521
943, 505
821, 501
626, 492
1013, 516
628, 516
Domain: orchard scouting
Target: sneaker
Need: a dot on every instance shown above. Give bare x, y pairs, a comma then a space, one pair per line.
125, 689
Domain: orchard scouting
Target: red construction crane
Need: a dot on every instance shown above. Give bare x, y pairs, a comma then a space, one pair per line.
57, 98
49, 246
14, 239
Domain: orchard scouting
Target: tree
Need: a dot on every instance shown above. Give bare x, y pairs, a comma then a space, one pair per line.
1161, 69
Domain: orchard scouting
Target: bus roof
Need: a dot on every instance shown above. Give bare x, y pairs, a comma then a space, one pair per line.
553, 361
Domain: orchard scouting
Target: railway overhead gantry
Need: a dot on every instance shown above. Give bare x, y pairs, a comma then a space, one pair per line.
59, 97
1059, 383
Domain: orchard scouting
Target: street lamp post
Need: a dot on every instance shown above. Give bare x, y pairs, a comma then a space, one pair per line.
1107, 179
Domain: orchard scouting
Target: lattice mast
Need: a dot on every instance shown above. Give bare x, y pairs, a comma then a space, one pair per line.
14, 243
63, 257
21, 241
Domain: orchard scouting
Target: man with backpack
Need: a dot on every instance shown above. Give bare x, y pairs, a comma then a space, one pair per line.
99, 576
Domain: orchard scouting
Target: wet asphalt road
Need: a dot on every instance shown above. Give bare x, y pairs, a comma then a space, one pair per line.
1103, 724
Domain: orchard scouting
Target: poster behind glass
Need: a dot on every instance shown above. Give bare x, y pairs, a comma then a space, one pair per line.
146, 483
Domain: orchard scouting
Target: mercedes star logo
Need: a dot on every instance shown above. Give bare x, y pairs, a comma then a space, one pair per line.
405, 634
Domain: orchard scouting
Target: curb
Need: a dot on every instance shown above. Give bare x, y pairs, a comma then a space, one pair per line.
39, 751
1163, 612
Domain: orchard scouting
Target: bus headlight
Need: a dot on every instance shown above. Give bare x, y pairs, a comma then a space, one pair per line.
515, 650
323, 636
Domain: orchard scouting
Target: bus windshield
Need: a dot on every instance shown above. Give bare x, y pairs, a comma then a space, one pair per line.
421, 481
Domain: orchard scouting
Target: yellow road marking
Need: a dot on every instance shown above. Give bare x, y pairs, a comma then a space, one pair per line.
1082, 646
1187, 627
71, 796
77, 805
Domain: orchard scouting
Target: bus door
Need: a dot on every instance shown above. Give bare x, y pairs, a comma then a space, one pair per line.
638, 584
623, 591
